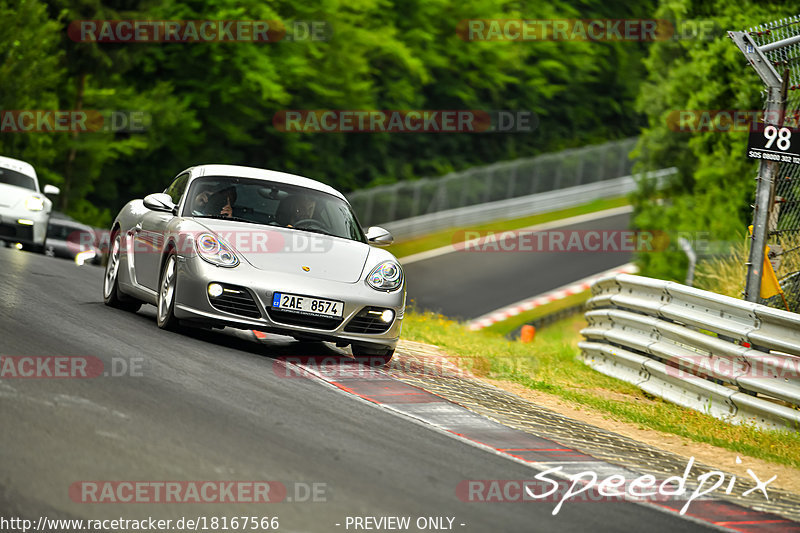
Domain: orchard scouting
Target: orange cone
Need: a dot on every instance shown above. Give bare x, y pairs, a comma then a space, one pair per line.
527, 333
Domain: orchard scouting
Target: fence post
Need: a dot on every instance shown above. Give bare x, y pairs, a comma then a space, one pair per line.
767, 170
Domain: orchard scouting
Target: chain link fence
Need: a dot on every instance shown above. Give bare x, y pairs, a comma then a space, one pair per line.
779, 41
499, 181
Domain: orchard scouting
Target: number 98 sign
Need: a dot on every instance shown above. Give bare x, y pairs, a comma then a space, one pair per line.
781, 145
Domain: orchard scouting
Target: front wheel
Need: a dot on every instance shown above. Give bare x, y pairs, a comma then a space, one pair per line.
372, 356
166, 293
35, 248
111, 294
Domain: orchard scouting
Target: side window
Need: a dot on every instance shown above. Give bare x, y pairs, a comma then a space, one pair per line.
176, 190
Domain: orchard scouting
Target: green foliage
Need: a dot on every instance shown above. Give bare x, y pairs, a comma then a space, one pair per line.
715, 186
215, 102
30, 75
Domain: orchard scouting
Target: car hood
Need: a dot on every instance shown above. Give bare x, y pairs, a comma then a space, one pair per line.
11, 195
291, 251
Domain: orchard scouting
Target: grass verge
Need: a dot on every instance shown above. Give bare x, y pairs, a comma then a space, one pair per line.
504, 327
550, 365
445, 237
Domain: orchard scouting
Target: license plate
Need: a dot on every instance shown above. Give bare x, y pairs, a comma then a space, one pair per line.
306, 305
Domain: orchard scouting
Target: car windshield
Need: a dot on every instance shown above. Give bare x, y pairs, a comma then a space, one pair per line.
12, 177
68, 233
273, 204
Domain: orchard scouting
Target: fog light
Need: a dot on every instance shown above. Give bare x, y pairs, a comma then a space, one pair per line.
18, 246
387, 315
214, 290
25, 222
82, 257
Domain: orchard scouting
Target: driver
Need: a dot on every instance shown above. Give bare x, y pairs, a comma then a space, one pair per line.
300, 208
216, 203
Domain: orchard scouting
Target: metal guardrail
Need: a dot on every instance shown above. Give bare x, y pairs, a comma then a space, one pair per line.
736, 360
491, 183
521, 206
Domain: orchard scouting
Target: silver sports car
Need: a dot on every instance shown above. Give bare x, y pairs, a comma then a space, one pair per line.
256, 249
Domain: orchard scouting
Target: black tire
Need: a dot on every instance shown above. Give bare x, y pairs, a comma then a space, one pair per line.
34, 248
111, 293
167, 284
372, 355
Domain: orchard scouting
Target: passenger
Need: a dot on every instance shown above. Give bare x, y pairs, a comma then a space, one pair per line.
216, 203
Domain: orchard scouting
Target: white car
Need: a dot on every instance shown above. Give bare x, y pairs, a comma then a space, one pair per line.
24, 208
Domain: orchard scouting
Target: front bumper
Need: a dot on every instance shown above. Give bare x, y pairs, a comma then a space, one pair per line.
193, 303
32, 233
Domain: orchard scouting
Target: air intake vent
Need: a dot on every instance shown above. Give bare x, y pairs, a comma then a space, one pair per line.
237, 301
370, 320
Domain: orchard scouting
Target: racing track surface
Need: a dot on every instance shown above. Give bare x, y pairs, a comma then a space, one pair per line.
211, 406
465, 285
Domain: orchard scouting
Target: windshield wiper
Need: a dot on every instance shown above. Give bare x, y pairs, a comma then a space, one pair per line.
314, 230
223, 217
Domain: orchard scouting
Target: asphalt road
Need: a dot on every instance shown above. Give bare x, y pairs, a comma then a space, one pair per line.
468, 284
210, 406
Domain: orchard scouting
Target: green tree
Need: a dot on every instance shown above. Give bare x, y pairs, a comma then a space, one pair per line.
30, 77
711, 195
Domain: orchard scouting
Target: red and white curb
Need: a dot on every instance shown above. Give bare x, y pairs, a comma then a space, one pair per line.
537, 301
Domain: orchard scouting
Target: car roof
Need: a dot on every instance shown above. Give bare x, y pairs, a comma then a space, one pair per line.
68, 222
60, 216
20, 166
260, 173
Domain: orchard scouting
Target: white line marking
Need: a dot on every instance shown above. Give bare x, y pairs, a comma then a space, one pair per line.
527, 304
436, 252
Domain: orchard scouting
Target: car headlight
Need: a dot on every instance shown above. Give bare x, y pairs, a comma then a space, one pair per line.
215, 251
387, 276
34, 203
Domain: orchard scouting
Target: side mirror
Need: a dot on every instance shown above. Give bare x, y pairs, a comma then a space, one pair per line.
159, 201
379, 236
51, 189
